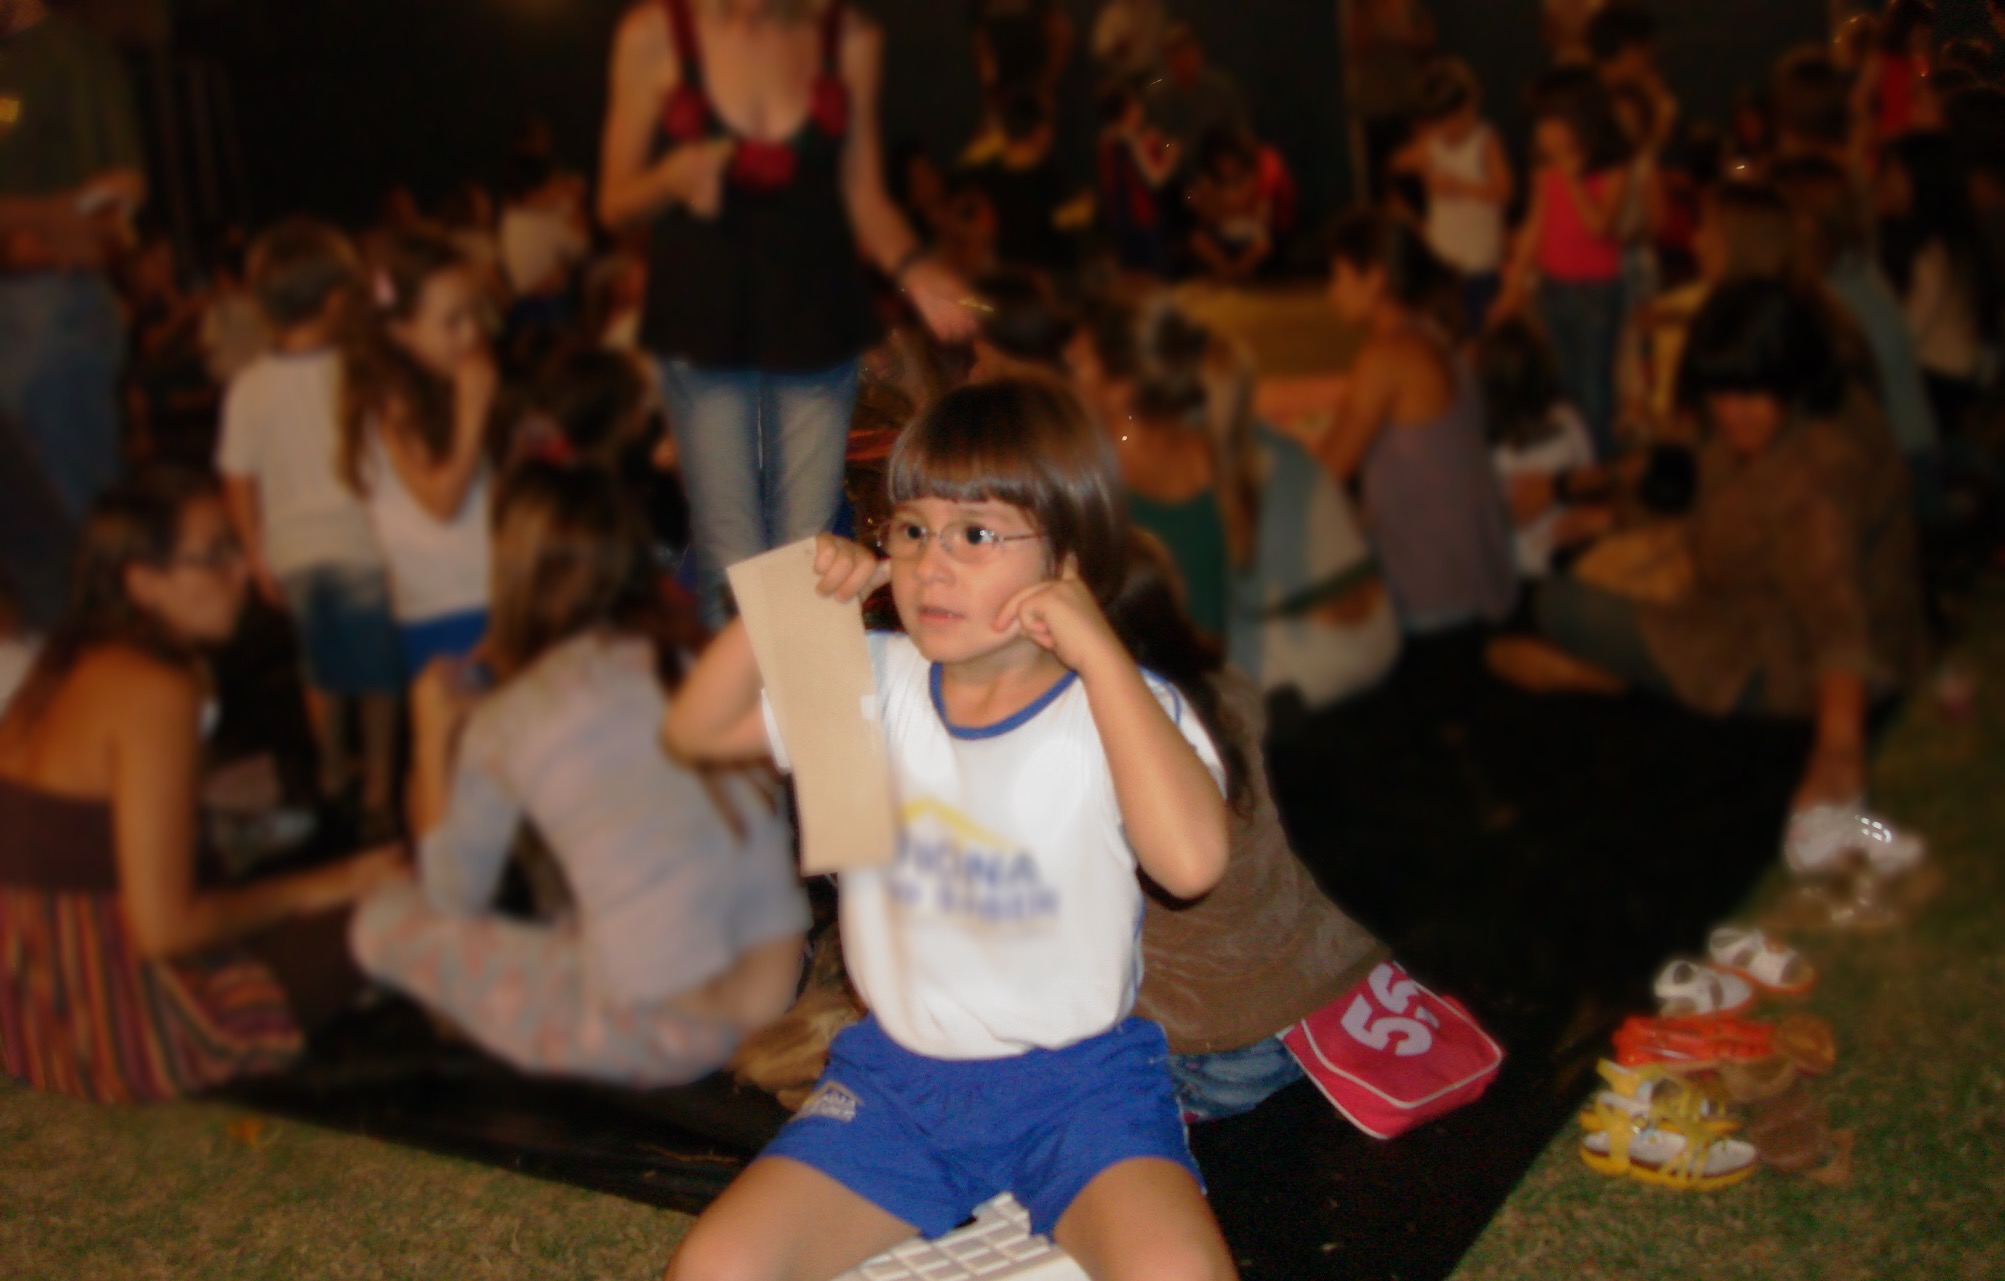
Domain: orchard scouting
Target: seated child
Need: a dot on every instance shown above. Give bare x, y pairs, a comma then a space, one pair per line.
1037, 770
1235, 225
1536, 440
690, 916
1227, 974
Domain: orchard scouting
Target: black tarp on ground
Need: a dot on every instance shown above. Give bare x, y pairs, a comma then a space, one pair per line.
1536, 858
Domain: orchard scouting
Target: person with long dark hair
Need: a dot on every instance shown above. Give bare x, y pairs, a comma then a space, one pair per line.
418, 391
1225, 975
744, 132
1411, 428
690, 916
127, 973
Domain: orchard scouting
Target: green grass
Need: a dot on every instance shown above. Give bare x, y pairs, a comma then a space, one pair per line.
171, 1192
1920, 1020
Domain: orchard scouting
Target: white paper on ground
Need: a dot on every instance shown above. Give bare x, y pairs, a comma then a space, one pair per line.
816, 668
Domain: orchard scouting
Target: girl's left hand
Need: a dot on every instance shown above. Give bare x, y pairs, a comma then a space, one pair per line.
1062, 617
940, 297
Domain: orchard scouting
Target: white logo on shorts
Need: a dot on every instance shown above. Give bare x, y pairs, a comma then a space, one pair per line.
832, 1101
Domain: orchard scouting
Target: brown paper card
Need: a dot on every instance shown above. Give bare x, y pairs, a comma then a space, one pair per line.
816, 668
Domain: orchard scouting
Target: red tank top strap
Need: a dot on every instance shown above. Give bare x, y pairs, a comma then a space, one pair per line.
682, 25
831, 39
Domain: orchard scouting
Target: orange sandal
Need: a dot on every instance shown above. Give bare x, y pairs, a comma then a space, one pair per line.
1692, 1043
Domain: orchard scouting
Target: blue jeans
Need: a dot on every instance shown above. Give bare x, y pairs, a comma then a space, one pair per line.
1584, 321
1212, 1087
762, 461
61, 345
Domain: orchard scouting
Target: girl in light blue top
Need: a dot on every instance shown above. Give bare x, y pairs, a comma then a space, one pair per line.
689, 914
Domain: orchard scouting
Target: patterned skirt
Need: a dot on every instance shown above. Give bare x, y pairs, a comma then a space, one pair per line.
83, 1013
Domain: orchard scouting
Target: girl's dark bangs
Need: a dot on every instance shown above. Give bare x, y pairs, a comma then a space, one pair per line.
963, 467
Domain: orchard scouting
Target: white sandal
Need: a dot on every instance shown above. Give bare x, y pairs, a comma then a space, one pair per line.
1686, 988
1769, 965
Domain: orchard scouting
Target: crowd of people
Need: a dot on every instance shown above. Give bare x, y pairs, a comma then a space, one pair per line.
1640, 402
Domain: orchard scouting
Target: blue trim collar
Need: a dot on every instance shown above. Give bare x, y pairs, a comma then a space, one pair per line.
1001, 727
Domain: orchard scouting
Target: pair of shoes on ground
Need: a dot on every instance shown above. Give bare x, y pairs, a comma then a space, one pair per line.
1744, 964
1676, 1130
1665, 1129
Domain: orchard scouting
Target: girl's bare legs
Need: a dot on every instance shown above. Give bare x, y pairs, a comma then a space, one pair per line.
1540, 667
784, 1221
1145, 1220
328, 716
379, 752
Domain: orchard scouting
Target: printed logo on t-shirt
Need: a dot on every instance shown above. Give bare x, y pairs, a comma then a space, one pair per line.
950, 866
832, 1102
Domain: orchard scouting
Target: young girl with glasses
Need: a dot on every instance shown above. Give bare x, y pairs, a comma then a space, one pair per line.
1036, 769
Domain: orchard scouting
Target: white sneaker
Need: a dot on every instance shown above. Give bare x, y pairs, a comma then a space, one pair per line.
1820, 837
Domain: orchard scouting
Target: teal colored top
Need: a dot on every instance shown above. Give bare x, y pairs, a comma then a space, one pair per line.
1194, 533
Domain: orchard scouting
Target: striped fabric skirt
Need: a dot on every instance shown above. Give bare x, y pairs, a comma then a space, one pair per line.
83, 1013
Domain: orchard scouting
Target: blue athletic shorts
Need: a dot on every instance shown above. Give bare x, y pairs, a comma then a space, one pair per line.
347, 634
929, 1140
453, 636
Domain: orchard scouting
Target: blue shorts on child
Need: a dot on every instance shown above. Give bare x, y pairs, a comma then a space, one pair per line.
929, 1140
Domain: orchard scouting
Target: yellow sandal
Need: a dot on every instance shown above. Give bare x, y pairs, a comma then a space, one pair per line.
1675, 1135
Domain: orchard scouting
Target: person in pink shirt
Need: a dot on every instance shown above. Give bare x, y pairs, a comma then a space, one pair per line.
1568, 257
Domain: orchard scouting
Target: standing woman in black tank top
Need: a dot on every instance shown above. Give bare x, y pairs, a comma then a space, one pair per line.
745, 133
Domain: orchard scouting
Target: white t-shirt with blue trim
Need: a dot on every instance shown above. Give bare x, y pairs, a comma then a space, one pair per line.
1011, 919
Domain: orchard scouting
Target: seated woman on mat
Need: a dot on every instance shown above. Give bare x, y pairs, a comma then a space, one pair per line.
1142, 368
125, 974
690, 915
1410, 428
1227, 974
1804, 601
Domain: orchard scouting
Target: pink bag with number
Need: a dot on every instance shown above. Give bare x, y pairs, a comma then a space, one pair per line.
1392, 1055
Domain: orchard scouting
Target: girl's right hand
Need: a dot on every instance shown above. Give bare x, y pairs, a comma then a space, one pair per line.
475, 382
698, 170
371, 871
847, 571
354, 879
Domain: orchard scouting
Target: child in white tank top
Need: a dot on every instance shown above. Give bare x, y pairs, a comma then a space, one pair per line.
1457, 156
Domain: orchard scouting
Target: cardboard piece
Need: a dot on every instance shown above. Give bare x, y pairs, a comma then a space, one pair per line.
816, 667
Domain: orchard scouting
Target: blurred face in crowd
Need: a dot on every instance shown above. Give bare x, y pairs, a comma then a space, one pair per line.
1893, 190
1747, 420
199, 593
1555, 143
444, 329
1459, 126
1635, 63
1356, 294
